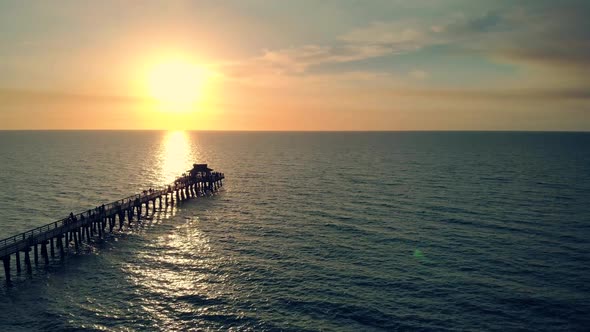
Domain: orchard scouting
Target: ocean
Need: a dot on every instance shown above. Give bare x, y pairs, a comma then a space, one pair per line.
367, 231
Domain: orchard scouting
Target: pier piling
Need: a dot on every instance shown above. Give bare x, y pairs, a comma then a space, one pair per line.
6, 261
44, 252
51, 248
36, 254
17, 256
28, 261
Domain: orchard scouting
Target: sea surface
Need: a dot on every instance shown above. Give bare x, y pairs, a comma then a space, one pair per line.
386, 231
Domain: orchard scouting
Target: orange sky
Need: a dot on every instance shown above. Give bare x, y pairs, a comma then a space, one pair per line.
254, 65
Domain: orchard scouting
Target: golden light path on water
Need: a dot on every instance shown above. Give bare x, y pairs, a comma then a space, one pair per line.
173, 266
175, 270
177, 154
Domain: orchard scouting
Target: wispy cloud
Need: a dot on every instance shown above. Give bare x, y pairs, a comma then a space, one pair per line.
21, 96
298, 59
552, 36
542, 33
498, 94
418, 74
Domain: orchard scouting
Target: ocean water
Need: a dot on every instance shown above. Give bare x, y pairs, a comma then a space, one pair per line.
402, 231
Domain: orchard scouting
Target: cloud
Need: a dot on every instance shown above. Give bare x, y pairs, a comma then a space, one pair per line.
540, 32
534, 33
373, 41
548, 39
397, 36
20, 96
535, 94
297, 60
484, 23
418, 74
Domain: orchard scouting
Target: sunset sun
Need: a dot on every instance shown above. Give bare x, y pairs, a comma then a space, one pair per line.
177, 85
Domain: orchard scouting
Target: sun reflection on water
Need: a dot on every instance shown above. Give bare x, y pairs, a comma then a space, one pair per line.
177, 154
178, 276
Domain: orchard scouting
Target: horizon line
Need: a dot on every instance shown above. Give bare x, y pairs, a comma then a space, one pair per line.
315, 131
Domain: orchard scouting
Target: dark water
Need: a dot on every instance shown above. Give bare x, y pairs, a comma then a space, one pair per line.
312, 231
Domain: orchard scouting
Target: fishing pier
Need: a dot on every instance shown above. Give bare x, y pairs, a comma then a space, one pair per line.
73, 231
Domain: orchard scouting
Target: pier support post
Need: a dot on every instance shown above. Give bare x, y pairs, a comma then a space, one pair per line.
17, 256
44, 252
6, 260
100, 229
51, 248
28, 261
60, 245
76, 239
36, 254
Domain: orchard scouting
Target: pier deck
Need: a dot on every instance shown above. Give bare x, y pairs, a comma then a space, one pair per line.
93, 224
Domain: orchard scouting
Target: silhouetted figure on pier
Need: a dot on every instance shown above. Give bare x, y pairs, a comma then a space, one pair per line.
72, 218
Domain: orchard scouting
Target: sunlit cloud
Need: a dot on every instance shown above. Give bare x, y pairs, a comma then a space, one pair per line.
24, 96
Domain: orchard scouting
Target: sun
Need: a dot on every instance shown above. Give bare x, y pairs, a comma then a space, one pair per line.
177, 85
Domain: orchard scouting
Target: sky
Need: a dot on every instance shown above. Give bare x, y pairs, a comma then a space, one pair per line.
295, 65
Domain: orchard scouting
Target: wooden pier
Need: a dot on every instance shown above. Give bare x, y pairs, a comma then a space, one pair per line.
93, 224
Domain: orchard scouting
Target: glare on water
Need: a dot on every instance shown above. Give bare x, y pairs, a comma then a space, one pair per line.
177, 154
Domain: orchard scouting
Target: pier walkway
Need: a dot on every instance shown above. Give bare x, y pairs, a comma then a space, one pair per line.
93, 224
